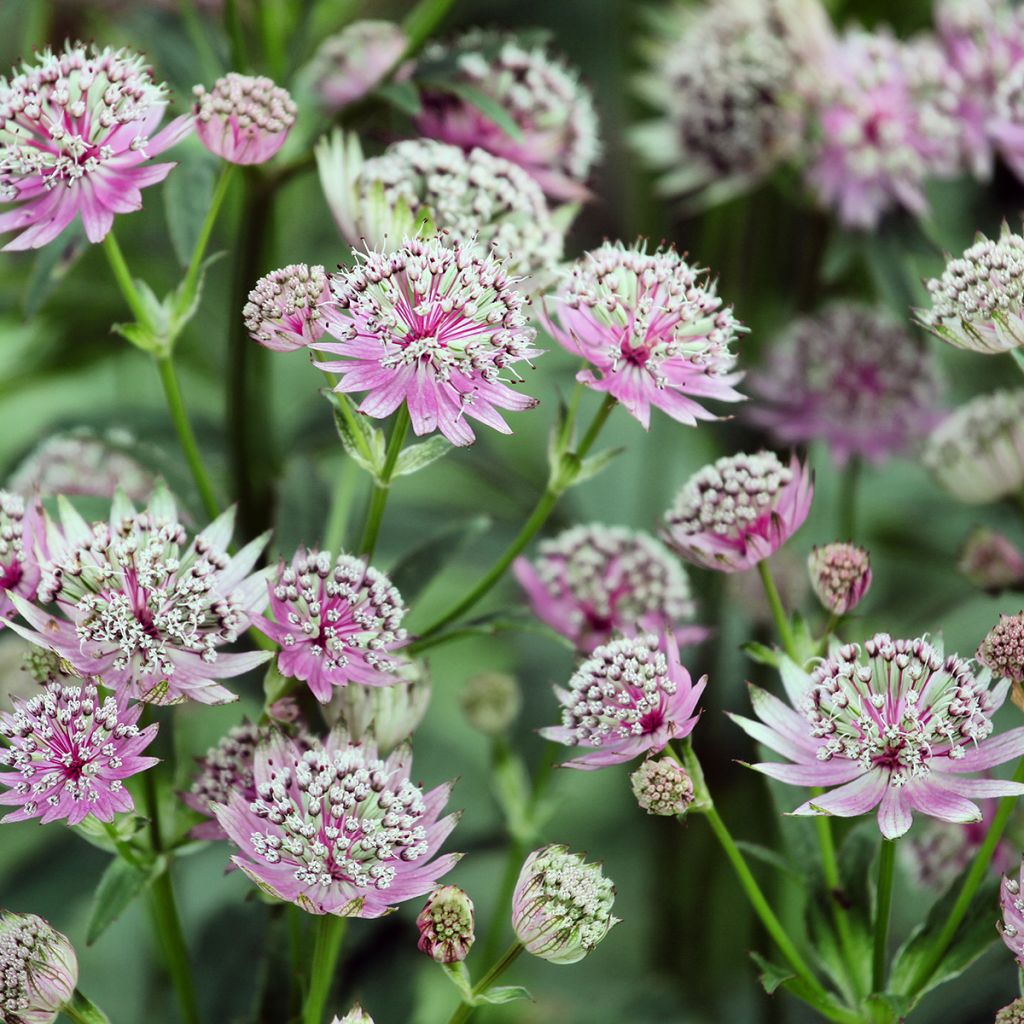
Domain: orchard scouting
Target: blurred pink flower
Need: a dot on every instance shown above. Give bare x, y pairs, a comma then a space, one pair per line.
75, 139
1012, 926
351, 64
840, 576
243, 119
991, 560
22, 544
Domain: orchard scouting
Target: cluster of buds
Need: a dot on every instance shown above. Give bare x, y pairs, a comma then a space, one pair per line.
285, 309
840, 576
1002, 651
446, 925
662, 786
243, 119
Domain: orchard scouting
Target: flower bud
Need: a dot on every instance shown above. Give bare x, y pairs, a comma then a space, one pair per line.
38, 969
1012, 1014
491, 702
662, 787
1002, 651
562, 906
357, 1015
243, 119
991, 561
446, 925
840, 576
389, 713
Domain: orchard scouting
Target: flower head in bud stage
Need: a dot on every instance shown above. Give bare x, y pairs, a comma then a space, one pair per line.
991, 561
630, 697
357, 1015
852, 377
473, 198
976, 454
591, 582
75, 138
1012, 927
662, 786
1012, 1014
895, 725
840, 576
336, 830
69, 752
38, 969
433, 326
886, 122
558, 133
652, 327
1002, 651
491, 702
446, 925
22, 542
351, 64
337, 621
243, 119
978, 302
143, 605
562, 906
285, 310
738, 511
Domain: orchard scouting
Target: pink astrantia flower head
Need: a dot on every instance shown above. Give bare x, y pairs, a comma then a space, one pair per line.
69, 752
21, 544
446, 925
992, 561
351, 64
630, 697
558, 132
840, 576
1002, 650
662, 786
76, 132
653, 329
853, 377
738, 511
886, 122
562, 906
143, 605
591, 582
336, 830
892, 724
433, 326
38, 970
243, 119
337, 622
285, 308
1011, 900
978, 302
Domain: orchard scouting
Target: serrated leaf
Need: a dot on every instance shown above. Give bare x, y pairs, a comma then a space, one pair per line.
51, 266
187, 193
403, 96
419, 456
503, 994
762, 654
417, 568
120, 885
772, 975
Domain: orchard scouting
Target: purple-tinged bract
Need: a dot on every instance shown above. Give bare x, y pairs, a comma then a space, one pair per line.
336, 830
285, 308
738, 511
433, 326
630, 697
337, 622
76, 135
243, 119
892, 724
22, 542
38, 970
1011, 900
68, 753
446, 925
840, 576
653, 329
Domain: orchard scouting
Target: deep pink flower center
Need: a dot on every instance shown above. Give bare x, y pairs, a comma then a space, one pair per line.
12, 575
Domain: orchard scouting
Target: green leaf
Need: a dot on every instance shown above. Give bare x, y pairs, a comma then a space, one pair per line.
187, 193
140, 336
503, 994
772, 975
513, 790
51, 266
762, 654
487, 105
772, 858
458, 975
595, 464
95, 833
418, 456
120, 885
363, 443
417, 568
883, 1008
403, 96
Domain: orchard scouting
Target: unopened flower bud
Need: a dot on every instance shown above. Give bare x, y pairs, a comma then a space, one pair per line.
662, 787
1012, 1014
991, 561
38, 969
491, 702
840, 576
562, 906
390, 714
1002, 651
243, 119
446, 925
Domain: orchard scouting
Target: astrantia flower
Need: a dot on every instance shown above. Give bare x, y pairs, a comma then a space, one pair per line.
337, 621
1002, 650
852, 377
336, 830
590, 582
894, 725
978, 303
886, 122
840, 576
738, 511
434, 326
652, 327
991, 561
1012, 926
75, 138
491, 702
977, 452
473, 198
558, 133
69, 752
662, 786
630, 697
21, 544
144, 606
446, 925
562, 906
243, 119
351, 64
284, 311
38, 969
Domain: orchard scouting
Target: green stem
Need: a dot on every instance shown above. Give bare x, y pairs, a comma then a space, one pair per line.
849, 484
186, 436
200, 37
124, 851
886, 874
216, 201
381, 488
83, 1010
341, 502
975, 876
123, 277
782, 624
1018, 357
329, 933
464, 1011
